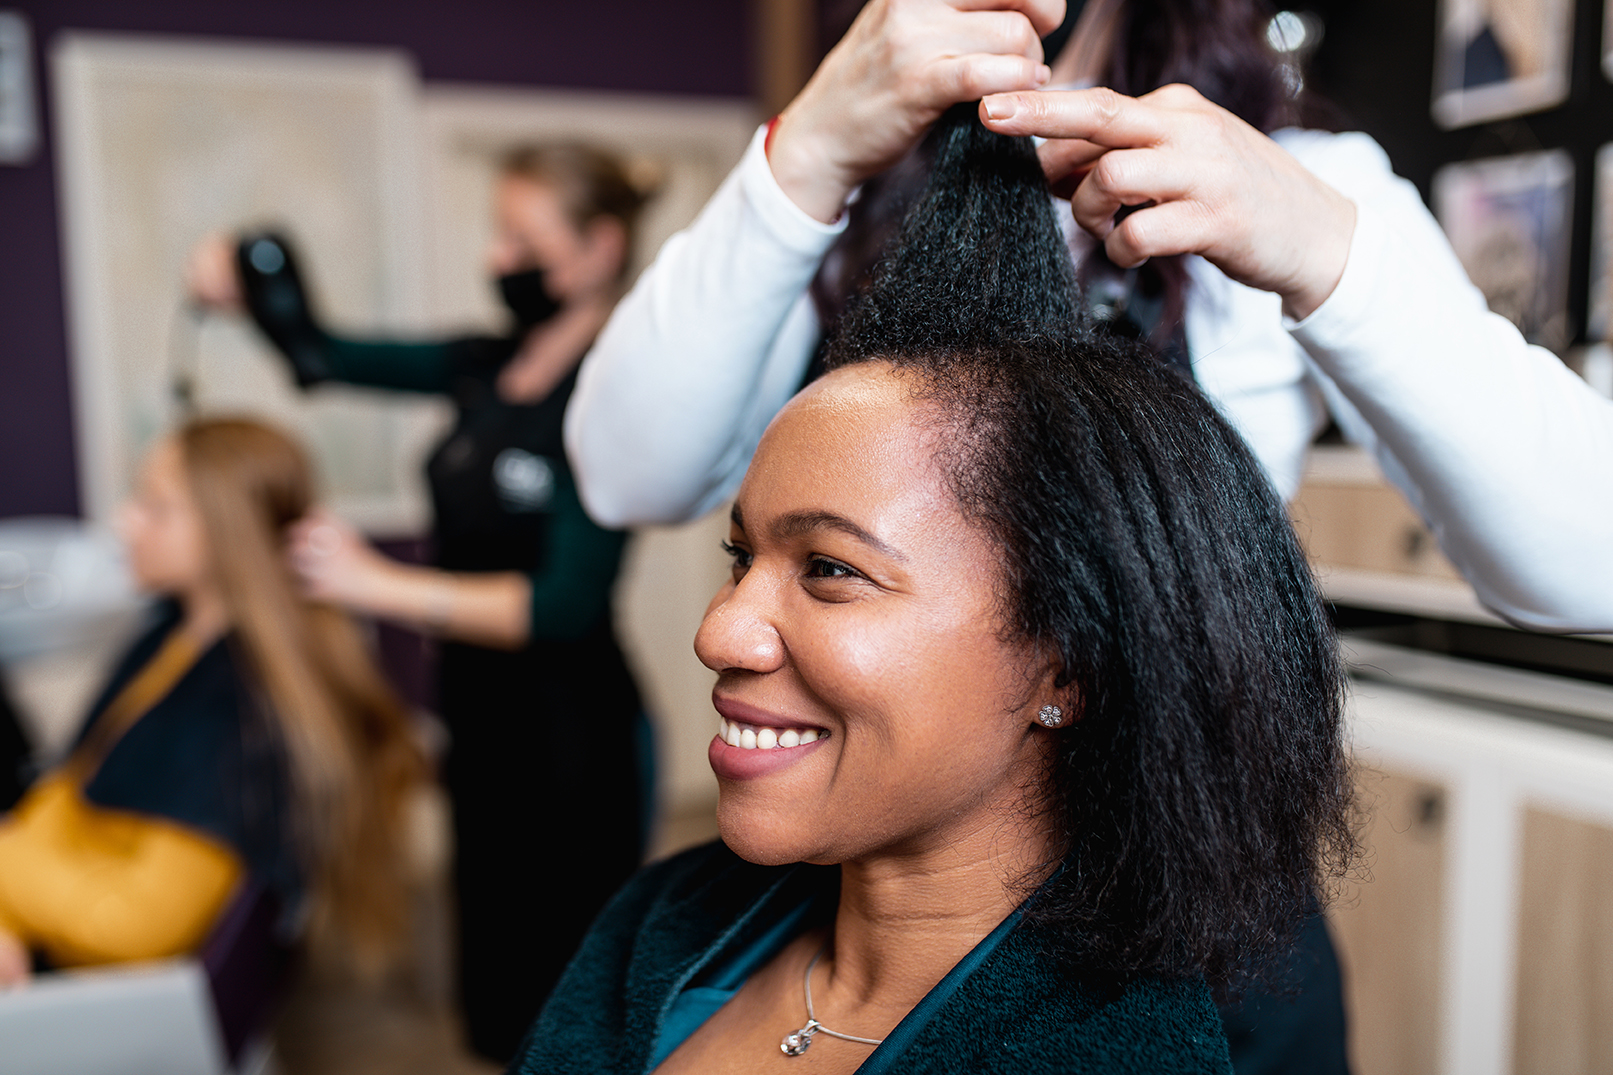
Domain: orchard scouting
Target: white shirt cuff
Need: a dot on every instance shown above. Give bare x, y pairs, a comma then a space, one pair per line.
791, 225
1350, 305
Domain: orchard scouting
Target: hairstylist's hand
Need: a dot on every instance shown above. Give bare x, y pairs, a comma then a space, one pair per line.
1209, 183
336, 564
902, 64
211, 278
16, 965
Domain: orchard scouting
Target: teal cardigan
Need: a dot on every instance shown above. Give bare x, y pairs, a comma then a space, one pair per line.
1012, 1010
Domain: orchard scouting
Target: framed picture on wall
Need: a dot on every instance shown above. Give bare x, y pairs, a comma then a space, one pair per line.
1509, 220
1600, 319
163, 141
1499, 58
19, 125
1607, 41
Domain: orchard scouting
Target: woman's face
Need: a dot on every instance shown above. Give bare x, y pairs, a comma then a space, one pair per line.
863, 609
533, 231
162, 528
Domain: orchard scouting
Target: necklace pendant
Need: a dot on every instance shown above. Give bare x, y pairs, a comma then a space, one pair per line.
797, 1043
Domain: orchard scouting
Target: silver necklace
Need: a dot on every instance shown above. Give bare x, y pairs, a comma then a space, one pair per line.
797, 1042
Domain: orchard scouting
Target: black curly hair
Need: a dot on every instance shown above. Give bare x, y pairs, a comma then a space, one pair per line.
1202, 796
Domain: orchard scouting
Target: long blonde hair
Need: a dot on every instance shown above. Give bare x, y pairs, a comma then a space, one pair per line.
346, 735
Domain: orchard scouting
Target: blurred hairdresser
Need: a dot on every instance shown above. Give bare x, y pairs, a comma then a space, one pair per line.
549, 752
1503, 451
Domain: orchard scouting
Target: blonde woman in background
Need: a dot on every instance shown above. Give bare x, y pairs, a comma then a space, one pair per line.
246, 737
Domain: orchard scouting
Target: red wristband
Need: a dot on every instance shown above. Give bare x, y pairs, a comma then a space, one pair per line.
767, 139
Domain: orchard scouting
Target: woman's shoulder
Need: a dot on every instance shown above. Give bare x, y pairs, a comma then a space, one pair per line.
1158, 1025
196, 755
1030, 1010
1154, 1025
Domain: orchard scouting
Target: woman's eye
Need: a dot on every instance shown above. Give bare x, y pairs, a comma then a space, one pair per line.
820, 567
741, 557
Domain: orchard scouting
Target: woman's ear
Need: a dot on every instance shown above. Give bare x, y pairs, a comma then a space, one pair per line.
1055, 700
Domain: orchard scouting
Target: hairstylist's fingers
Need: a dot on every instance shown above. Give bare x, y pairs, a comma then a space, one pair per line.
322, 534
1177, 96
16, 963
1138, 175
1128, 177
1098, 115
210, 274
1066, 161
1002, 33
967, 78
1044, 15
902, 63
1181, 227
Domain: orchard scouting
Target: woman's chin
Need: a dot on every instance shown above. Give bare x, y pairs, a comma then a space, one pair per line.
764, 841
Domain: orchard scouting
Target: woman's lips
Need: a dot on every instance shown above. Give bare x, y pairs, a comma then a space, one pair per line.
750, 742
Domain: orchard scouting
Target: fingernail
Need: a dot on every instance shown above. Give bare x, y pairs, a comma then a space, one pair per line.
1043, 74
1000, 107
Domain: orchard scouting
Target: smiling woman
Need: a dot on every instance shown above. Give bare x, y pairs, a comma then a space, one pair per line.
864, 610
1029, 711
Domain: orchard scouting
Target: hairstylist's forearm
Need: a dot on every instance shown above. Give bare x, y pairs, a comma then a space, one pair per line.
491, 609
1506, 453
709, 343
393, 364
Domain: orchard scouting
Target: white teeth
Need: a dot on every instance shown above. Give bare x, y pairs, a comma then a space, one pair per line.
759, 738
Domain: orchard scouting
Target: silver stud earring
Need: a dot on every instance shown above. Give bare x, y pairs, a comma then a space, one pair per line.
1051, 715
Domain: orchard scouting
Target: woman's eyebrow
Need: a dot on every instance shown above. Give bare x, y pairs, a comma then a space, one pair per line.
799, 523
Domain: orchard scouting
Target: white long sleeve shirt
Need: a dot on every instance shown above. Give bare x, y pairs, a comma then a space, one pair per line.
1506, 453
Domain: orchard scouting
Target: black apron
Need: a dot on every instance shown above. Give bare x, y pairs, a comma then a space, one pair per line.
544, 767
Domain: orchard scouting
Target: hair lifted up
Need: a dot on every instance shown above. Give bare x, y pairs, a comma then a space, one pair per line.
1202, 796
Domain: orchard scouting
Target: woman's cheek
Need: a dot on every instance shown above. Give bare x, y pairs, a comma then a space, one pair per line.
844, 651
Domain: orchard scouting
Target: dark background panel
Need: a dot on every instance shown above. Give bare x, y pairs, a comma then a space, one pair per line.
647, 46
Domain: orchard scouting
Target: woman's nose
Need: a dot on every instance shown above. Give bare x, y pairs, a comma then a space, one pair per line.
739, 634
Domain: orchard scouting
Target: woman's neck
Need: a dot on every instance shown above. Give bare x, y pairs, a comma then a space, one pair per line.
903, 922
204, 615
551, 350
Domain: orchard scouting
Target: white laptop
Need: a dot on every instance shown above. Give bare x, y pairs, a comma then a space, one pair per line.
144, 1019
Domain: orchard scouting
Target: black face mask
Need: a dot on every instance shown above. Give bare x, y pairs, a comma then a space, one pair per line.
524, 293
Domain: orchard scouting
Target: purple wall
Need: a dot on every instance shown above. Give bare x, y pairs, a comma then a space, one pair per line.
689, 47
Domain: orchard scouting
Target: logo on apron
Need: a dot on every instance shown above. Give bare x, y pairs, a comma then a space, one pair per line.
525, 482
